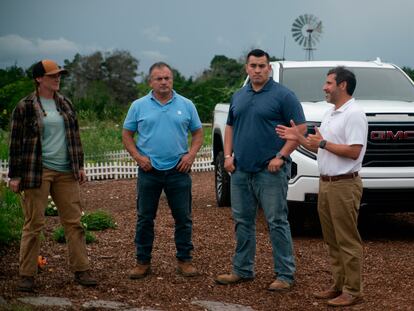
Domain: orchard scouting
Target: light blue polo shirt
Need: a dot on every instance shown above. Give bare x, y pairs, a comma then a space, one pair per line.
162, 129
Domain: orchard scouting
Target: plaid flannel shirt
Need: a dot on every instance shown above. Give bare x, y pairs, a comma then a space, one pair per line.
25, 152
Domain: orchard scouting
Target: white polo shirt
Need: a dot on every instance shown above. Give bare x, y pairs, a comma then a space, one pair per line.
348, 125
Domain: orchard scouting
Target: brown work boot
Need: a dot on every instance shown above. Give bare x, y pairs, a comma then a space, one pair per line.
280, 285
140, 271
230, 278
329, 293
26, 284
186, 268
344, 300
85, 278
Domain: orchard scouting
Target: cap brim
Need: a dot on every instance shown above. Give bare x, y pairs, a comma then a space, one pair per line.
60, 70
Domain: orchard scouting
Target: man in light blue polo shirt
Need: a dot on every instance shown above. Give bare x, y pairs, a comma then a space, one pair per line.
162, 120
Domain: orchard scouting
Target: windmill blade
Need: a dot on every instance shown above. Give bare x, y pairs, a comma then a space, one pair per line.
298, 23
306, 30
318, 27
296, 37
302, 19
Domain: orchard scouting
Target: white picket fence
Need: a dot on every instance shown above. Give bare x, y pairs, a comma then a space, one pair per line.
123, 155
123, 166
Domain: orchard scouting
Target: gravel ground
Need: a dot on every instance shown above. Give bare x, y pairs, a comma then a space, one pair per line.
388, 250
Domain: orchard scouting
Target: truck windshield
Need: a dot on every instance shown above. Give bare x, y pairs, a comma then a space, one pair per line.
372, 83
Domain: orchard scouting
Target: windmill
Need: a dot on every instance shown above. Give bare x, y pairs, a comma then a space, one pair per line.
307, 30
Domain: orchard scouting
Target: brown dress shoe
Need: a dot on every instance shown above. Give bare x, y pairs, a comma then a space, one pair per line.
26, 284
230, 278
344, 299
280, 285
329, 293
140, 271
186, 268
85, 278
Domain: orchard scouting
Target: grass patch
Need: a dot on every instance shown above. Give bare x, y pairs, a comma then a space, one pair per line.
94, 221
59, 235
207, 136
98, 220
99, 137
11, 216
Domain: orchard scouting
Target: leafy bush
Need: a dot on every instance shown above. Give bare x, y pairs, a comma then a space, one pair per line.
11, 216
98, 220
51, 209
4, 144
59, 235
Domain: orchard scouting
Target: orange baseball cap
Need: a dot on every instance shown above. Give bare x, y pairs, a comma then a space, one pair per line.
46, 67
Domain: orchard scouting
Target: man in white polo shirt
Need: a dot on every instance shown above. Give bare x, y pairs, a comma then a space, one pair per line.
340, 143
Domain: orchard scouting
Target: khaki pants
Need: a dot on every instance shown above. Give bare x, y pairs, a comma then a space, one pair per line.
64, 190
338, 207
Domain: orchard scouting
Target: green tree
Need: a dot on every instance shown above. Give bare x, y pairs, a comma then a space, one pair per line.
215, 85
409, 71
14, 85
102, 83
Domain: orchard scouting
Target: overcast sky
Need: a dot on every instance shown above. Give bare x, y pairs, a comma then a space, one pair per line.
188, 33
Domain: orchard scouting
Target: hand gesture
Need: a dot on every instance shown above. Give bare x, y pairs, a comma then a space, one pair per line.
314, 139
288, 133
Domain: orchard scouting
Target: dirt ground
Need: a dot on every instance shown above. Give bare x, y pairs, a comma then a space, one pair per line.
388, 250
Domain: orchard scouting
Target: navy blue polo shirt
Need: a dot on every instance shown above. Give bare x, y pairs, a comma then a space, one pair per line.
254, 116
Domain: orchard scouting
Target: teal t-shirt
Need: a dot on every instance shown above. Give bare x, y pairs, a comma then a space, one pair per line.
55, 155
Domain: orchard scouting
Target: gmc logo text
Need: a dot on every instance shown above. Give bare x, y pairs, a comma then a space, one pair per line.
390, 135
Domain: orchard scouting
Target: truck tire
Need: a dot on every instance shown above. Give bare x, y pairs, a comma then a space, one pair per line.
222, 181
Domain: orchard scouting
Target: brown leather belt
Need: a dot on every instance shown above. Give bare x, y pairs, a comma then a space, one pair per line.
339, 177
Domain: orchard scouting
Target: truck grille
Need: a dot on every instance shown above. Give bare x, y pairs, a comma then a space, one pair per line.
390, 144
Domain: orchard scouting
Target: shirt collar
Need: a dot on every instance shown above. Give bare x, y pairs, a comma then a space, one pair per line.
345, 106
265, 87
151, 95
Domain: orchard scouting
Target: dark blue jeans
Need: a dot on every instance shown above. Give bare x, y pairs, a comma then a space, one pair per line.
177, 187
248, 190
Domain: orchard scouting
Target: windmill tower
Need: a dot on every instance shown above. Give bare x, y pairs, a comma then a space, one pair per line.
306, 31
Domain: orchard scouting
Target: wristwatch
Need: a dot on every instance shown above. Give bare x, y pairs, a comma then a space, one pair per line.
322, 144
281, 156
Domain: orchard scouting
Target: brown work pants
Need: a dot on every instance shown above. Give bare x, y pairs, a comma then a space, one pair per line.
338, 207
64, 190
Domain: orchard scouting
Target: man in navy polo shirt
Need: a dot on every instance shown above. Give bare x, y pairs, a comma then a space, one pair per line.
260, 166
162, 120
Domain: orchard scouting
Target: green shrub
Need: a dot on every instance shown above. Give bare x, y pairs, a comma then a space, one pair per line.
98, 220
11, 216
51, 209
59, 235
4, 144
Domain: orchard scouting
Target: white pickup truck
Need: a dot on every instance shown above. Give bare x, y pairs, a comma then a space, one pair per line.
386, 94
